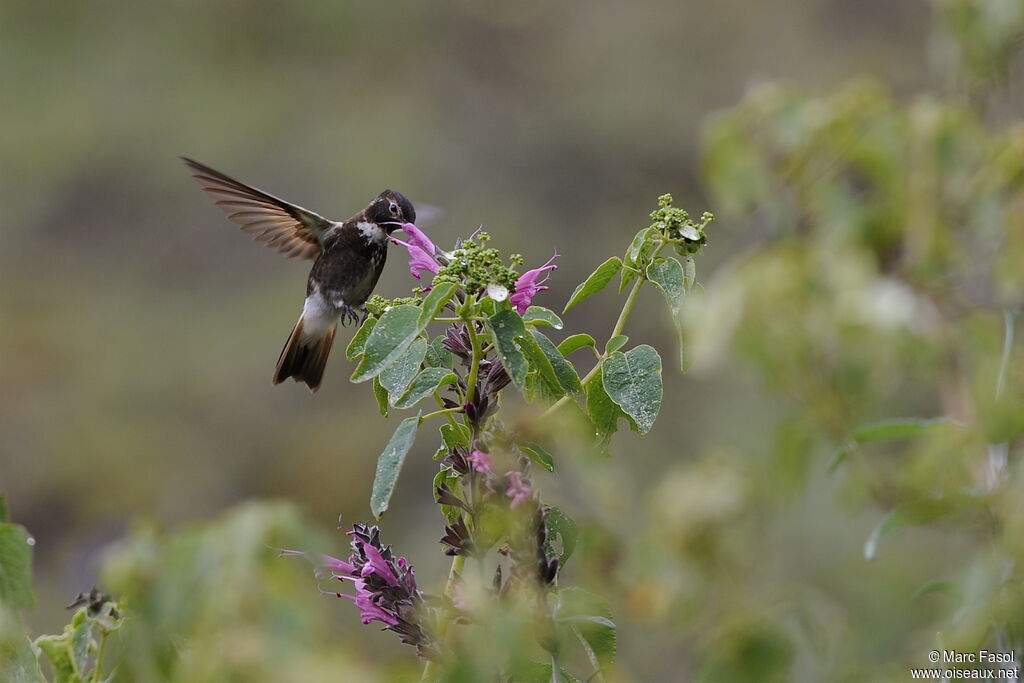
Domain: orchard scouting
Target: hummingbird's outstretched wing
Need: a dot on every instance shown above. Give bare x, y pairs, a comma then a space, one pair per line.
290, 229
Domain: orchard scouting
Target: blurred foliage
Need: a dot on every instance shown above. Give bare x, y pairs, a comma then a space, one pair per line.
865, 269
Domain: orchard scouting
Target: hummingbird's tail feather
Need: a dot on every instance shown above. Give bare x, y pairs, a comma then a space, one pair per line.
305, 356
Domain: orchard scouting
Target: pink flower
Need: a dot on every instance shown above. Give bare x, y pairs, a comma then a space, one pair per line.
529, 284
517, 489
376, 564
368, 609
420, 261
418, 238
480, 461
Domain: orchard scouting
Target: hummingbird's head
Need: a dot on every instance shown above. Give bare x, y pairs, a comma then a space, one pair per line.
390, 209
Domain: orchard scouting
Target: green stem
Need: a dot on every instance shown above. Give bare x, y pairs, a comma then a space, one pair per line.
620, 324
430, 668
98, 671
437, 413
474, 368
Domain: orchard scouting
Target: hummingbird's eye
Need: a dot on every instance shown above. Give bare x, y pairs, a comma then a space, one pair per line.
393, 209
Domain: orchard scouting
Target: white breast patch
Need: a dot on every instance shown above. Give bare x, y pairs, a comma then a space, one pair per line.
371, 231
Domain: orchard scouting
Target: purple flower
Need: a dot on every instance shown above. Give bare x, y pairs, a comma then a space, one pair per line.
517, 489
529, 284
418, 238
419, 260
385, 588
376, 564
368, 609
481, 461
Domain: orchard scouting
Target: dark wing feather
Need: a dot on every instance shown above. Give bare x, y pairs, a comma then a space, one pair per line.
290, 229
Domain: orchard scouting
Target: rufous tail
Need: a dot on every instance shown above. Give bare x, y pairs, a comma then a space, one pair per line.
304, 357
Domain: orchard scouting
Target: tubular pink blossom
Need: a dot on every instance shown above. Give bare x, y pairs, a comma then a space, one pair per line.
529, 285
480, 461
419, 260
376, 564
517, 489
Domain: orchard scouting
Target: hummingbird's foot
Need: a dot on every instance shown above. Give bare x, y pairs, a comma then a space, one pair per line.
352, 315
364, 314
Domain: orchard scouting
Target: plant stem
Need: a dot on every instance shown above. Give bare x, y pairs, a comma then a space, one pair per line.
98, 671
429, 669
436, 413
474, 368
620, 324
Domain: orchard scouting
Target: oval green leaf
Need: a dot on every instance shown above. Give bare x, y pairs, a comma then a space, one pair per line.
597, 281
388, 340
576, 342
389, 464
506, 326
424, 385
633, 382
358, 344
397, 376
538, 315
564, 370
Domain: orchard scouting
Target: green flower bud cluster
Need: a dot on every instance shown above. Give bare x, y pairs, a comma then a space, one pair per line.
475, 266
675, 224
376, 304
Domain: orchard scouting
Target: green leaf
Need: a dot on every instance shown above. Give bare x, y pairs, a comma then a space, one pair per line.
541, 364
390, 464
633, 381
689, 272
588, 616
540, 456
560, 524
538, 315
637, 246
576, 342
381, 394
888, 430
506, 326
597, 281
356, 347
564, 370
437, 355
455, 435
55, 648
80, 640
5, 514
667, 275
18, 663
616, 343
937, 586
435, 302
424, 385
604, 413
15, 566
906, 515
388, 340
397, 376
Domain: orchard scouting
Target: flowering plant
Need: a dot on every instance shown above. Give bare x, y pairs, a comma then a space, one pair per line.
485, 484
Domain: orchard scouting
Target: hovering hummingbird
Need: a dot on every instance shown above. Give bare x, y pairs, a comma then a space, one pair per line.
348, 257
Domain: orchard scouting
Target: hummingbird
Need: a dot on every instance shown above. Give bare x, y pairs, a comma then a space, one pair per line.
348, 257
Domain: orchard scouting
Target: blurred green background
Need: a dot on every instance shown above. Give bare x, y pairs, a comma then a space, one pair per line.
868, 244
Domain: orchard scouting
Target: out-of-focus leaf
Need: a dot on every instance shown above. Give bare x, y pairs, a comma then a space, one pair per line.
356, 347
424, 385
540, 456
633, 381
888, 430
15, 563
906, 515
538, 315
55, 648
389, 465
506, 326
588, 616
18, 663
560, 524
455, 435
595, 282
575, 342
937, 586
